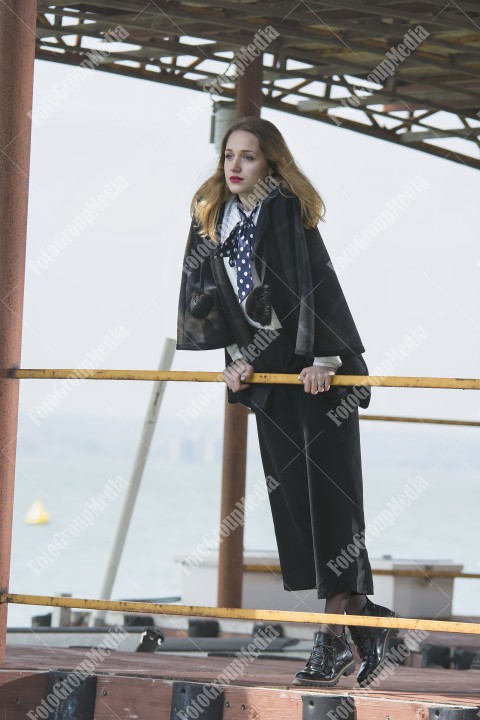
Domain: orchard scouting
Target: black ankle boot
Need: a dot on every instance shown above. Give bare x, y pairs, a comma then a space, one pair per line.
331, 658
372, 642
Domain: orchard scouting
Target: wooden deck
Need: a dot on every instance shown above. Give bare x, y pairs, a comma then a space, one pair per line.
139, 686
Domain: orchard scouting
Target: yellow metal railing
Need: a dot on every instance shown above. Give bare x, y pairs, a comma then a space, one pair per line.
275, 378
245, 614
397, 572
242, 614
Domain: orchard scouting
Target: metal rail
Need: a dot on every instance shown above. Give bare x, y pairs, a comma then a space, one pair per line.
426, 575
242, 614
432, 421
275, 378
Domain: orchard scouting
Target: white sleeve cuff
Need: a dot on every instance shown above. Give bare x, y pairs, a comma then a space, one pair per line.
234, 351
331, 361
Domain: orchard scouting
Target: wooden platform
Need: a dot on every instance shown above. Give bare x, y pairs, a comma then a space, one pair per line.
139, 686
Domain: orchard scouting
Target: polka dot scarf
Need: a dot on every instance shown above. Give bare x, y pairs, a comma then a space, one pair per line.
238, 248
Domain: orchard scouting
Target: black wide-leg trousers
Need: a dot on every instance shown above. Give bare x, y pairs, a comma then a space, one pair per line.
313, 455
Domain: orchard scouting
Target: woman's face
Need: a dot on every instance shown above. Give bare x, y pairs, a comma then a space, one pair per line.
244, 163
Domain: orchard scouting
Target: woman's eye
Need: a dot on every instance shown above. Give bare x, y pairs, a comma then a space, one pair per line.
248, 157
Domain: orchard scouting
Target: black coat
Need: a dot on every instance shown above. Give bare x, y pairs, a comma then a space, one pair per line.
305, 291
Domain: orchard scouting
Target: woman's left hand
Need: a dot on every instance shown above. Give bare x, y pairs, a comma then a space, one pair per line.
316, 378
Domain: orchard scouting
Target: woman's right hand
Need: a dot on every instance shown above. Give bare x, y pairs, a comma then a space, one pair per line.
236, 372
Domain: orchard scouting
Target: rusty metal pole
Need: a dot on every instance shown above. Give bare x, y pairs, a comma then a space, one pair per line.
230, 560
17, 55
249, 89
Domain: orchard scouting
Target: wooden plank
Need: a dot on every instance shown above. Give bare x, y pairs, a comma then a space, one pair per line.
21, 693
132, 697
142, 683
147, 698
7, 676
122, 696
260, 703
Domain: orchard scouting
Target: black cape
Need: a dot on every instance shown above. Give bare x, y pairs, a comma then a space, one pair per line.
306, 294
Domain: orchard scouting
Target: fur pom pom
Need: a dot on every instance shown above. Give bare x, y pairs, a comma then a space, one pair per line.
201, 303
258, 304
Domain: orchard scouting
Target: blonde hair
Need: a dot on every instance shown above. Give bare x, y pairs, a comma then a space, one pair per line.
207, 201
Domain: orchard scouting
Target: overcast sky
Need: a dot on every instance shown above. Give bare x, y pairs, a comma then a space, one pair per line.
416, 281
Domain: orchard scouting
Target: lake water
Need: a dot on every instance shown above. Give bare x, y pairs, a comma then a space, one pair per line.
68, 462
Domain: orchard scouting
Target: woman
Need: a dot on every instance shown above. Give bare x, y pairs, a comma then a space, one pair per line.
258, 282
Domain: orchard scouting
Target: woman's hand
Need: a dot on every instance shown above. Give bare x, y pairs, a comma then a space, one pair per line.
316, 378
236, 372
